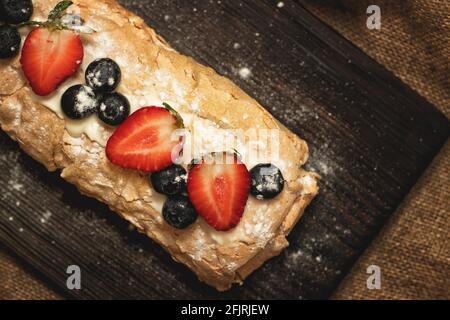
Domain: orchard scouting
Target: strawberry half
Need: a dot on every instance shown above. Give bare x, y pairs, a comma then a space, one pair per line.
145, 140
219, 190
50, 56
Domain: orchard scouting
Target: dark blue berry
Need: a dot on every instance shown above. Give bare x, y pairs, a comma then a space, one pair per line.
79, 101
15, 11
114, 109
179, 212
103, 75
9, 42
266, 181
170, 181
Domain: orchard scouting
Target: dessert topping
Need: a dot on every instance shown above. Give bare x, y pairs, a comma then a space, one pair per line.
114, 109
52, 52
170, 181
266, 181
146, 141
218, 187
79, 101
103, 75
179, 212
9, 42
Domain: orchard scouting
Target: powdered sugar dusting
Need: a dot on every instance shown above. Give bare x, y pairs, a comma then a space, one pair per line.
245, 73
308, 183
94, 77
85, 100
46, 217
259, 227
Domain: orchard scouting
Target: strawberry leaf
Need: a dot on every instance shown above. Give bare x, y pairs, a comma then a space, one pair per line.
180, 122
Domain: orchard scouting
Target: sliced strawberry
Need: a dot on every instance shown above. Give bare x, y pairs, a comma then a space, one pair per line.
219, 190
144, 141
49, 57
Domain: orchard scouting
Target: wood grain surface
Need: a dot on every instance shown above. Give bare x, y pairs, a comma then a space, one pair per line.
371, 137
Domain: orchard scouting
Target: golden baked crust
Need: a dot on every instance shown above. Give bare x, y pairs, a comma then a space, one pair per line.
219, 260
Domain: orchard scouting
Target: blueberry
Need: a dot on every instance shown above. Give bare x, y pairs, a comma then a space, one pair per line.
266, 181
9, 42
170, 181
114, 109
103, 75
16, 11
79, 101
179, 212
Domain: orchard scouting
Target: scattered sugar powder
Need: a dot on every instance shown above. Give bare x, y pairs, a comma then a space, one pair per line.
259, 226
17, 186
95, 78
46, 216
321, 166
85, 100
295, 256
231, 266
106, 44
245, 73
163, 78
270, 184
183, 177
308, 183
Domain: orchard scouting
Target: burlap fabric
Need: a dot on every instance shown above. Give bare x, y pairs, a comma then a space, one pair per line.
18, 281
413, 250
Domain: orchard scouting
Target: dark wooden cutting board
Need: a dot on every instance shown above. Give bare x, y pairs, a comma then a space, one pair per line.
371, 137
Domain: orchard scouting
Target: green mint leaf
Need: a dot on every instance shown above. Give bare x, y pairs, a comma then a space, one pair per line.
59, 9
29, 23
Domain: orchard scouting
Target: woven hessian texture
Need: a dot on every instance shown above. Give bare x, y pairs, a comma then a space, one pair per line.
19, 282
413, 250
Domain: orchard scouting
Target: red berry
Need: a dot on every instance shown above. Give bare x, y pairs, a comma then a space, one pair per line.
49, 57
145, 141
219, 190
